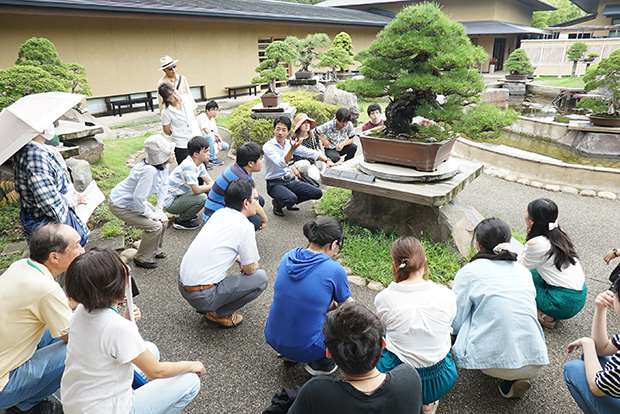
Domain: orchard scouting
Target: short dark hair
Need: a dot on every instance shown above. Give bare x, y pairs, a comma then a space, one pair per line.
282, 120
237, 192
354, 337
97, 279
46, 239
343, 114
489, 233
324, 230
248, 151
373, 107
165, 90
211, 105
197, 144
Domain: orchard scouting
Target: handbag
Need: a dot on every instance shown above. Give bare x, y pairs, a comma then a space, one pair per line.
303, 177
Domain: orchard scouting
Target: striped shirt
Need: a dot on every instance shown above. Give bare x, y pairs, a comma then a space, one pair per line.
182, 177
608, 380
215, 200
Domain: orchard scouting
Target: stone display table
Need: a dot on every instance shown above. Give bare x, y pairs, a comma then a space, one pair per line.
408, 208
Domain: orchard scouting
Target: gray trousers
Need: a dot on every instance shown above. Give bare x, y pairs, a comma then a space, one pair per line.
188, 205
153, 236
231, 294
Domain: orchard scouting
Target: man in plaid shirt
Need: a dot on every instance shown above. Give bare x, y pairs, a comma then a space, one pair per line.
43, 188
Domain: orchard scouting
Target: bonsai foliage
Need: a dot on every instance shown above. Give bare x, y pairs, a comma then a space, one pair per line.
338, 57
589, 59
518, 63
19, 81
305, 48
343, 40
485, 121
575, 53
606, 75
419, 55
270, 70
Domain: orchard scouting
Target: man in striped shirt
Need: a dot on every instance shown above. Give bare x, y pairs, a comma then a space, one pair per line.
185, 195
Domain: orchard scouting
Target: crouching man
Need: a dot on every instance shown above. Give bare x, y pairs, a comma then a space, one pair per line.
227, 237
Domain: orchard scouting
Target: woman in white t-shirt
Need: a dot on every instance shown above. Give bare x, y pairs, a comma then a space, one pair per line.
418, 315
105, 346
178, 119
552, 258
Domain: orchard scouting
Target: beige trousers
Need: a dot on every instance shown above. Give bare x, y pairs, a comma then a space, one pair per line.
153, 237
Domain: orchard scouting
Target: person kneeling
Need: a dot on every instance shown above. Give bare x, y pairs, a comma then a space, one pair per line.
354, 339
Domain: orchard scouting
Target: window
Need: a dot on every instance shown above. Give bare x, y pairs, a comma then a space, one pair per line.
615, 33
262, 45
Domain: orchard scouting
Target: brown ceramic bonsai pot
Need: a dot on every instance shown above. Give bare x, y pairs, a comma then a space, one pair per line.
605, 121
517, 77
304, 75
271, 101
423, 156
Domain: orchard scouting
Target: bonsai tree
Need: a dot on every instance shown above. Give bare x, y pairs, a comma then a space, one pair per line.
305, 49
589, 59
605, 75
518, 63
19, 81
335, 58
270, 70
420, 54
343, 40
575, 53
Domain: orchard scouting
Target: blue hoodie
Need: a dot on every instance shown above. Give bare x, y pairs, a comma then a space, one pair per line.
305, 286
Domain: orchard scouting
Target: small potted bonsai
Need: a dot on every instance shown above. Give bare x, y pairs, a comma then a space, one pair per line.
418, 56
270, 70
306, 54
519, 65
338, 57
575, 54
605, 76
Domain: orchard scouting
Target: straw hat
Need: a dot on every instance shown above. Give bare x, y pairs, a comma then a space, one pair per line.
301, 118
167, 61
158, 149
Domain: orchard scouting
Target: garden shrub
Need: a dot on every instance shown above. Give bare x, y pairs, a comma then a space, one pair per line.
245, 129
485, 121
594, 105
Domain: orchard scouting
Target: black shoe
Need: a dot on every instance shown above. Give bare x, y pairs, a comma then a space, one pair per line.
185, 225
145, 265
293, 208
277, 209
315, 368
161, 255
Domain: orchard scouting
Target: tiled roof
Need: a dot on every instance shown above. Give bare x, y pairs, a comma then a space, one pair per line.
538, 5
234, 9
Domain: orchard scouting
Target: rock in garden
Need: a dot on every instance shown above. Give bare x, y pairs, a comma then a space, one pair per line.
570, 190
588, 193
338, 97
607, 195
136, 244
80, 172
376, 286
357, 281
129, 253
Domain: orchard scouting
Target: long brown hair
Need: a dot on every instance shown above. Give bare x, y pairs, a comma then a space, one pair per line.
408, 256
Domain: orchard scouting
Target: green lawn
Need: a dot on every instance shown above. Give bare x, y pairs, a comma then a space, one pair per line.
564, 82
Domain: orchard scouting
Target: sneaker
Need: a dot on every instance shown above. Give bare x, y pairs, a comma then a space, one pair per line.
161, 255
229, 321
433, 409
277, 210
145, 265
209, 167
315, 369
293, 208
215, 161
185, 225
514, 389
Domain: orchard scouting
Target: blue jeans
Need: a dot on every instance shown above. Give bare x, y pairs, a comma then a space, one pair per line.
37, 378
287, 193
213, 143
575, 377
166, 395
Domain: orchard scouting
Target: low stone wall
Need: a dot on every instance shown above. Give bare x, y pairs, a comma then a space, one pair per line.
543, 90
533, 127
540, 171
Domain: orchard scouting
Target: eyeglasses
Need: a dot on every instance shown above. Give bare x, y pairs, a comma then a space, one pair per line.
171, 67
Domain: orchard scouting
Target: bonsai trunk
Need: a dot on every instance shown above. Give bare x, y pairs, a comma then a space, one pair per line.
271, 89
572, 72
401, 110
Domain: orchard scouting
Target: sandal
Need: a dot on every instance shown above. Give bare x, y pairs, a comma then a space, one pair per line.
432, 410
547, 324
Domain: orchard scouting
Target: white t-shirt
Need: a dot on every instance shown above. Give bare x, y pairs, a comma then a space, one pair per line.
205, 122
98, 370
183, 123
226, 235
418, 320
535, 257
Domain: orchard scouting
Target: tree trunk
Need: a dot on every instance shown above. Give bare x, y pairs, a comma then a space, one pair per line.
401, 110
572, 72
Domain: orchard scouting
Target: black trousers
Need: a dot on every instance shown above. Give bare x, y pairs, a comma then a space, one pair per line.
348, 151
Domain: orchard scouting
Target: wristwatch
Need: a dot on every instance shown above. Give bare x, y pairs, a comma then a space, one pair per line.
615, 252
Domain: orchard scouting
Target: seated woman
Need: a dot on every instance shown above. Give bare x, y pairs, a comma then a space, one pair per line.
594, 380
496, 326
104, 347
128, 199
304, 128
552, 258
418, 316
309, 284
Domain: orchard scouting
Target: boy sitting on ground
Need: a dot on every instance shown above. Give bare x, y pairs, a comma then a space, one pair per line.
186, 197
354, 339
207, 123
374, 112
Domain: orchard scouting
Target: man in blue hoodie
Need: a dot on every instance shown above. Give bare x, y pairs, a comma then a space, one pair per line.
309, 284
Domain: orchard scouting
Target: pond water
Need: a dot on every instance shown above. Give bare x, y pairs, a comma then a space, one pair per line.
541, 108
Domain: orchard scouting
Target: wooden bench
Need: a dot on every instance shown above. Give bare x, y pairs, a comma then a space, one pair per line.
234, 89
116, 105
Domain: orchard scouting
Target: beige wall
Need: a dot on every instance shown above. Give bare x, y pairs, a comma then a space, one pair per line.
121, 56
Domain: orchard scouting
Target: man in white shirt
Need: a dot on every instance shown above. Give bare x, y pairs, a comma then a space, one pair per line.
35, 321
282, 186
225, 238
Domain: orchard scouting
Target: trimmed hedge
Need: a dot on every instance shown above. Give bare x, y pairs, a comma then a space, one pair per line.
245, 129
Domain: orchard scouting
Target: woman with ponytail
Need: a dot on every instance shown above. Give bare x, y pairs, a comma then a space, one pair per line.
496, 324
552, 258
309, 284
418, 315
